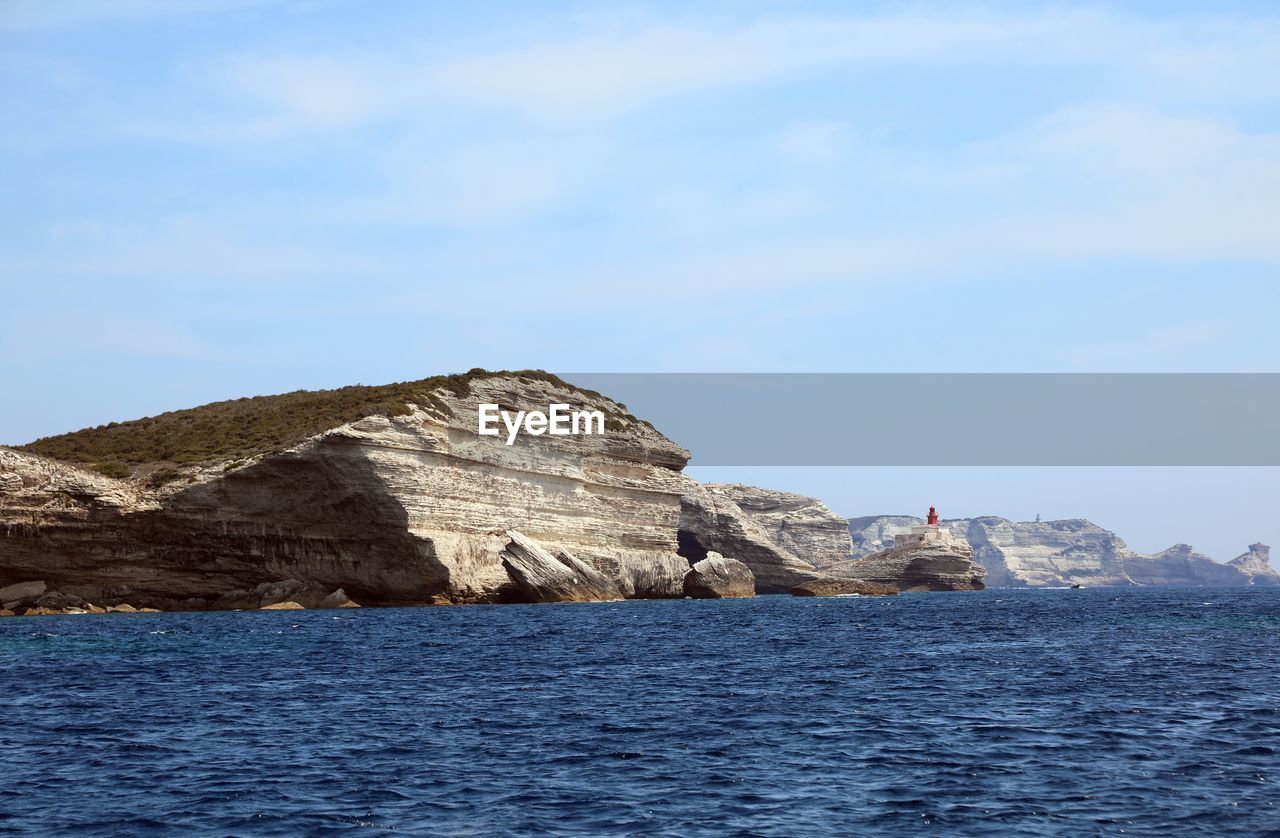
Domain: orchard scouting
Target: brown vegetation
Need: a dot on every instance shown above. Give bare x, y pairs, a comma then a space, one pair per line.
246, 427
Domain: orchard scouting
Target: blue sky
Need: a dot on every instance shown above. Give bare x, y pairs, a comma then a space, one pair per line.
211, 199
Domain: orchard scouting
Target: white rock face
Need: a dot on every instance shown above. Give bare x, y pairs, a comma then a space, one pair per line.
802, 525
1256, 564
407, 509
540, 576
710, 521
612, 500
1057, 553
934, 566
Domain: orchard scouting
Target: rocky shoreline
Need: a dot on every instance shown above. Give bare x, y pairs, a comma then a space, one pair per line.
405, 505
402, 502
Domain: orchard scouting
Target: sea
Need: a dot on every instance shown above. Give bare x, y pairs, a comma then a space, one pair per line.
1022, 712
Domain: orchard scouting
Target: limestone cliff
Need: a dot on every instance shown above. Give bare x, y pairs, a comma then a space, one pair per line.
408, 507
1067, 552
384, 495
935, 566
802, 525
710, 521
1180, 565
1256, 564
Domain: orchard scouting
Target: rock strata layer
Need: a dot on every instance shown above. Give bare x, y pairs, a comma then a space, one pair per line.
711, 521
540, 576
801, 525
938, 566
385, 496
392, 509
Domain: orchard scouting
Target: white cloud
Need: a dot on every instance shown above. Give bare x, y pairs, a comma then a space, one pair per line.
494, 143
608, 72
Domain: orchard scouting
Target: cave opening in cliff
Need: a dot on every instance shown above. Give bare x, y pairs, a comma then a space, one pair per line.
687, 545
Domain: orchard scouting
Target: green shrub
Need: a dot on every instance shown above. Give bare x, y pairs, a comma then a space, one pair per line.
110, 469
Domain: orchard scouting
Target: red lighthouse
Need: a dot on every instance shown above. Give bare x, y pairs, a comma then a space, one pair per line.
933, 515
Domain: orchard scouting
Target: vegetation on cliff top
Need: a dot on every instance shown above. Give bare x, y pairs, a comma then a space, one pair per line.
242, 428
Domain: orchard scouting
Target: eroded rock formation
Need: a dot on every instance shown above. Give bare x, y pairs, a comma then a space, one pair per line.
409, 505
409, 508
937, 566
803, 526
540, 576
717, 577
711, 521
1256, 564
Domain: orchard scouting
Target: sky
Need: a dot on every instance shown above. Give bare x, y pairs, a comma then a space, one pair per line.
204, 200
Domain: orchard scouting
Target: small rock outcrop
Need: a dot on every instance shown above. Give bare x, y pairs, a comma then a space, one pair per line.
717, 577
1256, 564
843, 587
283, 606
937, 566
540, 576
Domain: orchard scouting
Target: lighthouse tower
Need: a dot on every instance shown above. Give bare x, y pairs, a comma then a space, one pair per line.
928, 533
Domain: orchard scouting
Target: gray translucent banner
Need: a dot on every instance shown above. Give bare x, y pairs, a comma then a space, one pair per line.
870, 419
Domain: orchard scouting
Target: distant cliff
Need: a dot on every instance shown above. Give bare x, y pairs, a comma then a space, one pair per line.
1070, 552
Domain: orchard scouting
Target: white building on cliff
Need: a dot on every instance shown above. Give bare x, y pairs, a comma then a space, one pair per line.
928, 533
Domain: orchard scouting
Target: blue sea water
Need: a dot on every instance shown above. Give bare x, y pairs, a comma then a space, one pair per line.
1147, 712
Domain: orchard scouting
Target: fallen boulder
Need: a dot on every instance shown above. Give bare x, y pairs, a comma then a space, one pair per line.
337, 599
717, 577
540, 576
54, 602
14, 595
282, 606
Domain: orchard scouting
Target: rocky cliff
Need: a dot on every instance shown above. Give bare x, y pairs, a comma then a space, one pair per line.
385, 495
396, 507
937, 566
1256, 564
802, 525
746, 523
1069, 552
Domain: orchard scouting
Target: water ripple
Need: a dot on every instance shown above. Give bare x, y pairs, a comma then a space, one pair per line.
1148, 712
